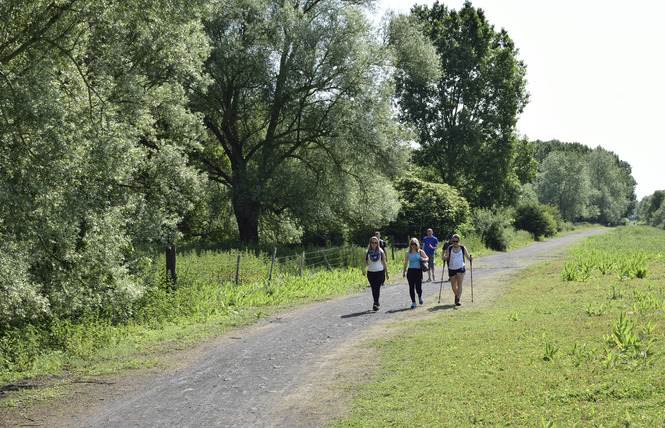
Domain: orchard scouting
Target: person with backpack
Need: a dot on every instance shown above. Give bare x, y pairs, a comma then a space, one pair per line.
382, 243
456, 268
412, 261
377, 270
446, 244
430, 244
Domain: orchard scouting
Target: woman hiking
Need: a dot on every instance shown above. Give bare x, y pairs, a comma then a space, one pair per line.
377, 271
455, 255
412, 260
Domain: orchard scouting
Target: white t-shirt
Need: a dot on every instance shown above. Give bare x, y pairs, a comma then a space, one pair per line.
456, 259
376, 266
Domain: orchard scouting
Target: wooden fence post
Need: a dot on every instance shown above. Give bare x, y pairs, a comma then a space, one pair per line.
272, 263
326, 259
237, 270
170, 263
302, 262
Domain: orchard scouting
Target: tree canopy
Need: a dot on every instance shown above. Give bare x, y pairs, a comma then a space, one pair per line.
93, 123
466, 118
298, 115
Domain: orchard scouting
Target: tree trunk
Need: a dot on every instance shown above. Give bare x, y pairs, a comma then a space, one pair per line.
170, 264
248, 225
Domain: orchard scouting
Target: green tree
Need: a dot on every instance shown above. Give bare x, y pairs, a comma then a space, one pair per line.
651, 209
564, 183
466, 121
428, 205
535, 218
613, 184
299, 119
93, 121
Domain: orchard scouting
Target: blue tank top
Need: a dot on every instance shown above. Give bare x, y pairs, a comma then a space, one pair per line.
414, 260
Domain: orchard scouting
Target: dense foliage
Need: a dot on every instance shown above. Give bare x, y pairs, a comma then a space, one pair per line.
651, 209
535, 218
93, 130
465, 119
427, 205
130, 126
585, 184
299, 119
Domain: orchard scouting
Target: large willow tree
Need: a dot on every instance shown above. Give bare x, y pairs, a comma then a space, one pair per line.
298, 115
92, 128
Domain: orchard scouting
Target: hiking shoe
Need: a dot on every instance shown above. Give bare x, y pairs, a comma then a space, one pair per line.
375, 307
434, 279
421, 300
413, 305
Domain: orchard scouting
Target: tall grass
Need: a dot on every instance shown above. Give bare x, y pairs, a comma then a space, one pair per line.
551, 352
205, 301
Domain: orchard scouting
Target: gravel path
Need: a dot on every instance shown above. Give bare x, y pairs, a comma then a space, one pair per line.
292, 369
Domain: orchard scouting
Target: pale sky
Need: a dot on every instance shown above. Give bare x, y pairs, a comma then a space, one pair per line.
595, 72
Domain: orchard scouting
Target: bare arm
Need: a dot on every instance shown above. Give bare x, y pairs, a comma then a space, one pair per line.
406, 263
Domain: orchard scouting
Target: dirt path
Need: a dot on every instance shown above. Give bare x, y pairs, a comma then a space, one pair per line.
290, 370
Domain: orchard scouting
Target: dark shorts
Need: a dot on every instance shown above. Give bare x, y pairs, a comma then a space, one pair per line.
453, 272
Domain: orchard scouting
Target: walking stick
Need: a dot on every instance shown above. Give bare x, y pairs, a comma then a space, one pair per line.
442, 273
471, 269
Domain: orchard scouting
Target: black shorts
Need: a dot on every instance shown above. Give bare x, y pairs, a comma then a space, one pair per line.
453, 272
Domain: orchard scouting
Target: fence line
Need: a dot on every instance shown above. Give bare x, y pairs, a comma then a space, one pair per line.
245, 267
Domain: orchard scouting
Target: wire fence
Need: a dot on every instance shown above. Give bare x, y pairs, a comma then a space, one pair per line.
241, 267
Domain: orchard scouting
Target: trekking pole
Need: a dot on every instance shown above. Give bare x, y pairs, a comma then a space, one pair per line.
442, 273
471, 269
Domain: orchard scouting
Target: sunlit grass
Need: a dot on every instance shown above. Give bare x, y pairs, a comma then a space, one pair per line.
545, 354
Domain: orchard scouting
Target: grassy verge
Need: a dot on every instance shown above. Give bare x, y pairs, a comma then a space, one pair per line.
555, 351
205, 304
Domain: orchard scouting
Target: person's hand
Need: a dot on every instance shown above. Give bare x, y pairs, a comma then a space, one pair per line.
403, 274
363, 272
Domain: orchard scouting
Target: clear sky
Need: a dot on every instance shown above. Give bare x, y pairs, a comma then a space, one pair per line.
595, 72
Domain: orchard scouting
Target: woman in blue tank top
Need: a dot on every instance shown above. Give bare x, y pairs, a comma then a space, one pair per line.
414, 274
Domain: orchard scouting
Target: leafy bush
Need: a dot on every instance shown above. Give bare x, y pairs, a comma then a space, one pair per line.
493, 228
535, 218
428, 205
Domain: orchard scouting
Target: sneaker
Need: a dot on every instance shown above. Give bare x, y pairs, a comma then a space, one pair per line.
413, 305
434, 279
375, 307
421, 300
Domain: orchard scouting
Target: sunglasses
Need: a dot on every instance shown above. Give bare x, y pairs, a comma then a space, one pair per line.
455, 241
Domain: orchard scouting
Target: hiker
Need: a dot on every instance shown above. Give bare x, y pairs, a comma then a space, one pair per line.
377, 271
456, 268
446, 244
382, 243
430, 244
412, 259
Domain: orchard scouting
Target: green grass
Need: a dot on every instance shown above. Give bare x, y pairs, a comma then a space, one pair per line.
545, 354
205, 303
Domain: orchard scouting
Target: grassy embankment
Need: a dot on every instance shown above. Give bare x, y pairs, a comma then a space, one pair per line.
579, 342
205, 303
